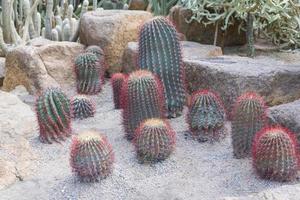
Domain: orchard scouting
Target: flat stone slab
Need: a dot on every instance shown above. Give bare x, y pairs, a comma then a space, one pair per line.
231, 76
190, 50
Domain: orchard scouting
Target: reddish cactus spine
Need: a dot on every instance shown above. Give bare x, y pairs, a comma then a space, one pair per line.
116, 81
142, 98
154, 140
274, 154
206, 116
249, 117
91, 156
54, 116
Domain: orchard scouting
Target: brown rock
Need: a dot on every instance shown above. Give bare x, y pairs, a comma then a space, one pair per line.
190, 50
41, 64
198, 32
137, 5
112, 30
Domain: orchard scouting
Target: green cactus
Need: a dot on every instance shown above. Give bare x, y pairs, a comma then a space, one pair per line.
117, 81
154, 140
274, 154
160, 52
82, 107
111, 4
91, 156
249, 117
206, 116
53, 113
142, 98
89, 74
96, 50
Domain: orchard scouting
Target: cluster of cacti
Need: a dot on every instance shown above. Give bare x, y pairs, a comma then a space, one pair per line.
142, 98
89, 73
274, 154
206, 116
54, 116
160, 52
154, 140
117, 81
82, 107
112, 5
248, 118
92, 156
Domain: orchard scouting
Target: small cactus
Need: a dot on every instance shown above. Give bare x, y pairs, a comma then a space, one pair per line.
117, 81
154, 140
160, 52
274, 154
53, 113
91, 156
248, 117
206, 116
142, 98
89, 74
95, 50
82, 107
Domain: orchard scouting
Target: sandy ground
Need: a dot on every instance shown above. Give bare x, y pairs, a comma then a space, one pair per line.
199, 171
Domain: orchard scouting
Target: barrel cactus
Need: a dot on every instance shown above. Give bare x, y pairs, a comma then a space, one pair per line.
142, 98
160, 52
91, 156
53, 113
89, 73
154, 140
206, 116
95, 50
82, 107
117, 81
248, 117
274, 154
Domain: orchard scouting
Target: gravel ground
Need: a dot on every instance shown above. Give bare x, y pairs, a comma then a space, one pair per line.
194, 171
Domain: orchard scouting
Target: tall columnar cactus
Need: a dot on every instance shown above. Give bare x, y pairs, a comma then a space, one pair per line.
274, 154
92, 156
89, 73
206, 116
154, 140
116, 81
249, 117
53, 113
48, 19
95, 50
160, 52
82, 107
142, 98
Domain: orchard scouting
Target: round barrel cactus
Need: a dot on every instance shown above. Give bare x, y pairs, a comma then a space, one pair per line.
54, 116
274, 154
91, 156
89, 73
116, 81
82, 107
142, 98
206, 116
95, 50
160, 52
248, 117
154, 140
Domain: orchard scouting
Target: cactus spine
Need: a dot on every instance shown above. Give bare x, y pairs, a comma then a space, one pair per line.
206, 116
249, 117
91, 156
154, 140
117, 81
53, 113
95, 50
160, 52
82, 107
89, 74
142, 98
274, 154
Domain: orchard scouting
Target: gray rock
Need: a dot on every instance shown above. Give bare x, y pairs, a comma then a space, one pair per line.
2, 70
190, 50
112, 30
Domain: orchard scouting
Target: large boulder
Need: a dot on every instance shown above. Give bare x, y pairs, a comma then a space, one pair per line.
112, 30
231, 76
190, 50
41, 64
17, 125
205, 34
